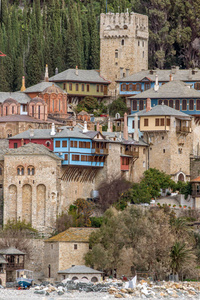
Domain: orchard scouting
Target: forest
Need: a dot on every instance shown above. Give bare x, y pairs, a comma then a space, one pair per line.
65, 33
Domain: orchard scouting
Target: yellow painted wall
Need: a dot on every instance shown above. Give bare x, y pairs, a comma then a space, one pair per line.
92, 89
151, 123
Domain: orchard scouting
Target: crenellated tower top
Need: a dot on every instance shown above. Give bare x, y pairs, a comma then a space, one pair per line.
123, 25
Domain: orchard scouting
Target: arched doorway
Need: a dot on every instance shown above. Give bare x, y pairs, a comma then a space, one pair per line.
181, 177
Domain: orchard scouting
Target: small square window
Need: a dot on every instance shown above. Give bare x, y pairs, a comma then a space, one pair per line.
162, 137
75, 247
163, 150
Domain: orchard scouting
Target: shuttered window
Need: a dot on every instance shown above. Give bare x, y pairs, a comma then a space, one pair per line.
75, 157
64, 144
57, 144
146, 122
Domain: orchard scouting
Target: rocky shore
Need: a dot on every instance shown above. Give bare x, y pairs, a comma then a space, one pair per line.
109, 289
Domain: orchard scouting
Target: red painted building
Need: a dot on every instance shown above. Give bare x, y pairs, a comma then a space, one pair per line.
37, 136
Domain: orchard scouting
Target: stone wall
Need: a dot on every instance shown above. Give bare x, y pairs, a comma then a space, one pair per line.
34, 198
63, 255
14, 128
170, 152
123, 45
51, 258
194, 167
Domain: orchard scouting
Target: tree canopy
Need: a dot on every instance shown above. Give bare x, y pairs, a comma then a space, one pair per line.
65, 33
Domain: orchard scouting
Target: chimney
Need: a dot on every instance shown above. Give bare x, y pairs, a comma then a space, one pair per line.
31, 132
111, 126
76, 70
170, 77
100, 128
53, 131
46, 76
97, 126
85, 127
22, 142
125, 127
156, 86
148, 104
56, 71
23, 84
108, 130
136, 133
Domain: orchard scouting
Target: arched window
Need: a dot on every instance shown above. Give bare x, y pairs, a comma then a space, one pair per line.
160, 102
141, 104
20, 170
171, 103
131, 87
116, 53
32, 110
122, 42
31, 170
94, 279
123, 87
184, 104
198, 105
166, 102
177, 104
134, 104
74, 278
125, 27
191, 104
138, 87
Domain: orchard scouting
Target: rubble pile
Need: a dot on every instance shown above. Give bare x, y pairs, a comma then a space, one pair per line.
172, 290
118, 289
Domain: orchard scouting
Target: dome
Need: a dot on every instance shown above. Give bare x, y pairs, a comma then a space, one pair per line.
53, 89
37, 99
10, 100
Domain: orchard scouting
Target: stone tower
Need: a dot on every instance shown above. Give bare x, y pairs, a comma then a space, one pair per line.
123, 46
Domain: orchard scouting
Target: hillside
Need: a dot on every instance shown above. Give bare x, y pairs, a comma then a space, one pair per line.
65, 33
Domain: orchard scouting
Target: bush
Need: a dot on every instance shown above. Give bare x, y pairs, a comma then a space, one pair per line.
96, 221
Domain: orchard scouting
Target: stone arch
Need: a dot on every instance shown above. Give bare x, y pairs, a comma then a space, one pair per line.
84, 277
181, 177
75, 278
27, 203
41, 197
12, 191
94, 279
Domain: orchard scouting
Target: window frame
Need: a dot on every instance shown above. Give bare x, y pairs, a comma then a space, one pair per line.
56, 144
146, 122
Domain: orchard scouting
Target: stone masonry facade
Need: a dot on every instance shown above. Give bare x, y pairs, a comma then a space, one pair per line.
123, 46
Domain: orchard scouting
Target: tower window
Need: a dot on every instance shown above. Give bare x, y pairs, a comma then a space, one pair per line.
143, 54
122, 42
116, 53
138, 43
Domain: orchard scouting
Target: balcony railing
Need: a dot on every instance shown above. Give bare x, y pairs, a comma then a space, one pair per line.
14, 266
100, 151
132, 153
183, 129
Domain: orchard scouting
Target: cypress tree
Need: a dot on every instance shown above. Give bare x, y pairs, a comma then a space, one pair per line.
94, 41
